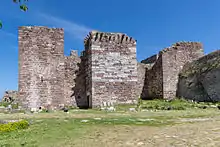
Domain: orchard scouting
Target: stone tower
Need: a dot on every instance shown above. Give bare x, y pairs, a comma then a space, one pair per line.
41, 66
111, 68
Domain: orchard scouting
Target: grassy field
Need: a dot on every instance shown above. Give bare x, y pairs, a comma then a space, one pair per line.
92, 128
156, 124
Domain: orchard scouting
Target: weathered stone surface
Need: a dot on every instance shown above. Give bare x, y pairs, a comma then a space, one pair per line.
199, 80
112, 68
41, 66
71, 71
47, 78
10, 96
141, 70
107, 71
153, 84
161, 80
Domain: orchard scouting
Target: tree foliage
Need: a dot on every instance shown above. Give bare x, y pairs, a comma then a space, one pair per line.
22, 5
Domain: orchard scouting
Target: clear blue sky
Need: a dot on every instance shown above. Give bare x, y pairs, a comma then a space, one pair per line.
154, 23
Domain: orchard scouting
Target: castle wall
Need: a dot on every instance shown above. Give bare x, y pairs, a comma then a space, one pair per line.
113, 68
107, 71
150, 60
71, 71
173, 60
153, 83
141, 70
80, 82
88, 73
41, 66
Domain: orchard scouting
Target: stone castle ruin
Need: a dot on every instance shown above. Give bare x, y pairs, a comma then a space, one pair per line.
107, 70
161, 79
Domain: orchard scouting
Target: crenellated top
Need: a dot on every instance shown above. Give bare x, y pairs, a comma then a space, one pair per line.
99, 37
186, 45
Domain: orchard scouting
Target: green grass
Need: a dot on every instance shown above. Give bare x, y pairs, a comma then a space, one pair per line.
60, 129
56, 132
47, 132
6, 104
176, 104
125, 107
57, 129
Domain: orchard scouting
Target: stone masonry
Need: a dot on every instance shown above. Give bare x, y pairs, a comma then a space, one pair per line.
41, 66
46, 76
161, 78
106, 72
112, 68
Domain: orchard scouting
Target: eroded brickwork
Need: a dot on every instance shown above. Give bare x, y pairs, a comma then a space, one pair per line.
112, 74
106, 72
141, 70
71, 70
153, 84
174, 58
80, 82
162, 79
41, 66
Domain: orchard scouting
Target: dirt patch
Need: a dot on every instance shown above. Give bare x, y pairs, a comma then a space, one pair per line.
199, 133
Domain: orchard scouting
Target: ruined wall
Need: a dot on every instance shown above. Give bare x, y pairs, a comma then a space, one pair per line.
141, 70
41, 66
153, 83
161, 78
80, 83
71, 71
107, 71
112, 68
150, 60
173, 60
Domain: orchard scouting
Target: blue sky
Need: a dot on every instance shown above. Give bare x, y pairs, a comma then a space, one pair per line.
155, 24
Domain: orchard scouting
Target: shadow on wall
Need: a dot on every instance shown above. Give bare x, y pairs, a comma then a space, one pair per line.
150, 89
153, 84
79, 91
145, 94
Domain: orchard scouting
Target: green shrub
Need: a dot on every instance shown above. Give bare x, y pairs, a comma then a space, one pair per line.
175, 104
12, 126
14, 106
5, 104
